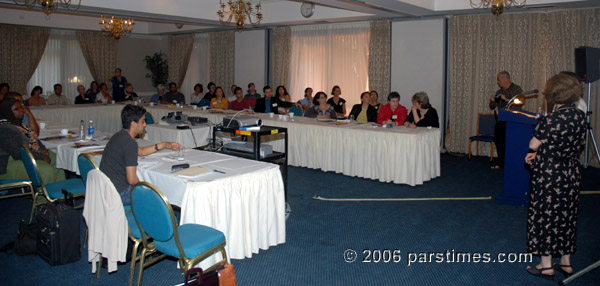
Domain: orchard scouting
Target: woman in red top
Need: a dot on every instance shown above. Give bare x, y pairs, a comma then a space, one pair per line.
393, 112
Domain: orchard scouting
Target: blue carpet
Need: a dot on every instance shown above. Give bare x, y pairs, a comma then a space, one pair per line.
319, 232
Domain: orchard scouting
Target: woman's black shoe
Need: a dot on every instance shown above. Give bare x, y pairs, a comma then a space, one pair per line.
538, 272
559, 268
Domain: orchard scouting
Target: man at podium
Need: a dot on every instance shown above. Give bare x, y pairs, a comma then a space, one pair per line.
498, 101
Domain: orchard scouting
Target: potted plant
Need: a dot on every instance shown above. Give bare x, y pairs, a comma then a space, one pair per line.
158, 68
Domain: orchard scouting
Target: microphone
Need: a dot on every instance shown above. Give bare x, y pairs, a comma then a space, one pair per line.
520, 97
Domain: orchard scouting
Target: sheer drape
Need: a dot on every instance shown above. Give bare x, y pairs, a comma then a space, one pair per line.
531, 47
100, 54
21, 49
281, 56
379, 58
197, 70
180, 49
62, 63
326, 55
222, 58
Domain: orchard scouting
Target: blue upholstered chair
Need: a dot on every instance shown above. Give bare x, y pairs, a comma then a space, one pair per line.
190, 243
149, 118
50, 192
23, 186
296, 111
486, 122
86, 164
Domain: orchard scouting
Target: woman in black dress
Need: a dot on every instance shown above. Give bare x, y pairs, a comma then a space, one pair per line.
338, 103
555, 179
421, 113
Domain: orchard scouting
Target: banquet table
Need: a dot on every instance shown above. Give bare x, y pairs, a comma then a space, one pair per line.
194, 136
242, 198
400, 155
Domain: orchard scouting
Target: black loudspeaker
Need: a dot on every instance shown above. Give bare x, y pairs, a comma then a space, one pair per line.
587, 63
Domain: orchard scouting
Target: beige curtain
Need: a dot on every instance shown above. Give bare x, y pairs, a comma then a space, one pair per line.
222, 56
21, 49
180, 50
530, 46
379, 58
100, 54
282, 47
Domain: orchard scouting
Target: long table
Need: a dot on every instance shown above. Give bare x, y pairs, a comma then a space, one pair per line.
400, 155
244, 198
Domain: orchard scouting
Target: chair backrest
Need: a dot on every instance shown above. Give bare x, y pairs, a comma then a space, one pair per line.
86, 164
153, 212
486, 124
30, 166
149, 118
296, 111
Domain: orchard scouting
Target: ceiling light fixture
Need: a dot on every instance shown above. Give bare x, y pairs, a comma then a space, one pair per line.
497, 5
239, 10
116, 27
48, 6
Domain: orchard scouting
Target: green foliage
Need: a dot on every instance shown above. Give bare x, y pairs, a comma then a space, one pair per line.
158, 68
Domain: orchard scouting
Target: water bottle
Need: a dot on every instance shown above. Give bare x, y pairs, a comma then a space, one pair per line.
81, 132
91, 130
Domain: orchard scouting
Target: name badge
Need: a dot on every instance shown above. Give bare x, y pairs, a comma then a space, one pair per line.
120, 85
215, 103
274, 104
394, 117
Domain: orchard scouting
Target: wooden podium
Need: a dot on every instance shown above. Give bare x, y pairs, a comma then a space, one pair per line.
520, 128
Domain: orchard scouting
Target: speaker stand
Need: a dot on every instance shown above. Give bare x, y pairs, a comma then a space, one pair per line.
589, 134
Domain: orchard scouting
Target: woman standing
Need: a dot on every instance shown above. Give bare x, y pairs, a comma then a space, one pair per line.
422, 114
555, 179
338, 103
322, 109
219, 102
36, 99
364, 112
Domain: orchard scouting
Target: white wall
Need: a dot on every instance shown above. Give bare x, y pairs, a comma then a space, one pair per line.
249, 59
418, 61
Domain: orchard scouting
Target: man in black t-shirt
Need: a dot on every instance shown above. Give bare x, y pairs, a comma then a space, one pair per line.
119, 160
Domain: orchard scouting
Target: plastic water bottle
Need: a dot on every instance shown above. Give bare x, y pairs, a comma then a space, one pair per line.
81, 131
91, 130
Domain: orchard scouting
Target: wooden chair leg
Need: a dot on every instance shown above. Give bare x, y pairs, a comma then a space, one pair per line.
491, 151
477, 152
470, 149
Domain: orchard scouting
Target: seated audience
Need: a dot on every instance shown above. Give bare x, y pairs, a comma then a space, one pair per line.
119, 160
269, 103
197, 95
28, 118
219, 102
364, 112
393, 112
14, 134
92, 91
57, 98
338, 103
82, 98
129, 94
282, 94
252, 95
36, 98
4, 89
322, 109
209, 95
239, 103
103, 96
173, 95
232, 96
307, 101
422, 114
160, 91
375, 100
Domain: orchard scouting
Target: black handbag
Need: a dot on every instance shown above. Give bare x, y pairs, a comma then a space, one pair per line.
27, 238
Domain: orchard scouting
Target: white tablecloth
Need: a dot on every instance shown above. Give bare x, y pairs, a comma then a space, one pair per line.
400, 155
170, 133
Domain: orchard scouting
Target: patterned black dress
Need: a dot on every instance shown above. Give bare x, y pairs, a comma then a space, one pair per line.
555, 178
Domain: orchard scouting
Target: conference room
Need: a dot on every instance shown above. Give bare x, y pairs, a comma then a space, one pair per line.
383, 187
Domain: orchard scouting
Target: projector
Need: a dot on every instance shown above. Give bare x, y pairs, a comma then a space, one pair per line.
241, 121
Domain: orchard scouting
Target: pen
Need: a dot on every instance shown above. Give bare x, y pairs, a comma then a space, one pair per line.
217, 171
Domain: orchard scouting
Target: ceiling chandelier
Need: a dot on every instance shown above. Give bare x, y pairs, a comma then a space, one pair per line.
48, 6
497, 5
239, 10
116, 27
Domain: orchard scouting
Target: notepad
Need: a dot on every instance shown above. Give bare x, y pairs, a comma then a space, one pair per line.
193, 172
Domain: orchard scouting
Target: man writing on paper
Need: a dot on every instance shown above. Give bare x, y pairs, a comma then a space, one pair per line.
119, 160
498, 101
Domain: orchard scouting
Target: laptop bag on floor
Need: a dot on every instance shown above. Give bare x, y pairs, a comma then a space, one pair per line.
58, 240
